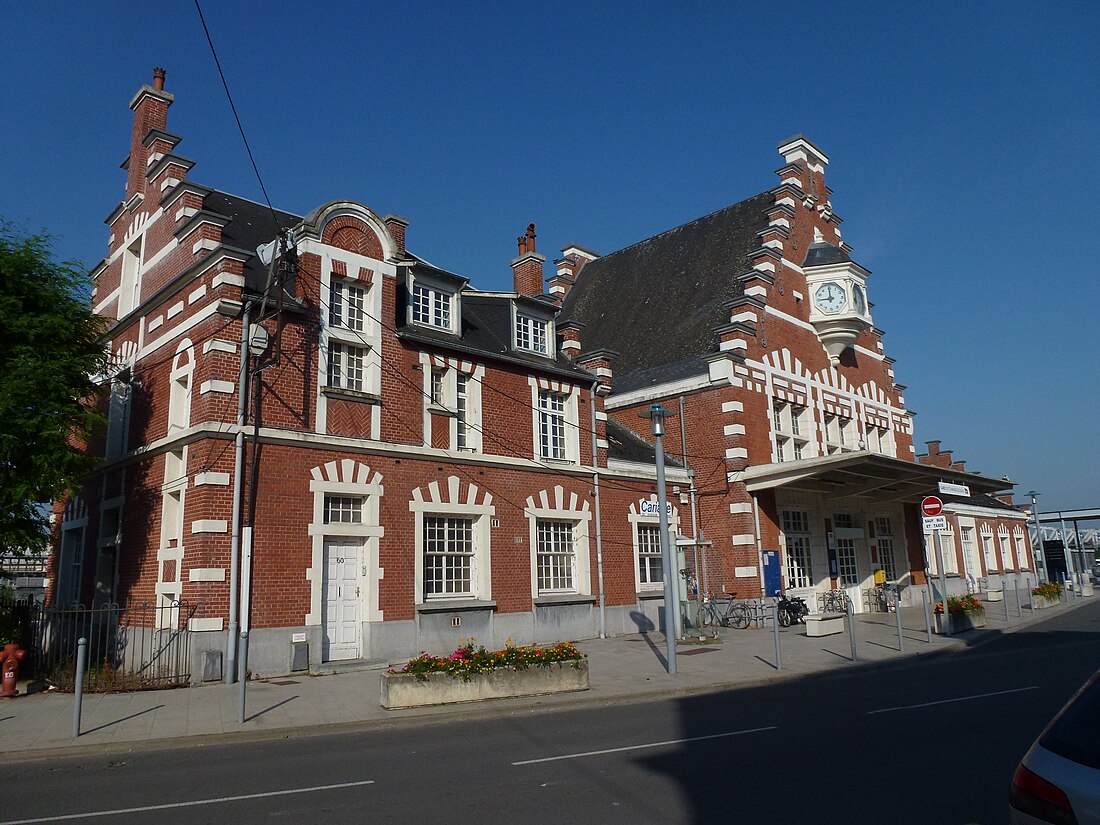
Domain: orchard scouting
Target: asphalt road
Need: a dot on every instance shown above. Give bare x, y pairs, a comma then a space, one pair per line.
933, 739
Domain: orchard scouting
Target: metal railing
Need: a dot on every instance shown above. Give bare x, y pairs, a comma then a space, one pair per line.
129, 648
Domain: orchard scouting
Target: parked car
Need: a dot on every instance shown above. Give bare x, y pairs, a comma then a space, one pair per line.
1058, 780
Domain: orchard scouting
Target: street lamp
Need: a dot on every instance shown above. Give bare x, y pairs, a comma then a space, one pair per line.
656, 415
1042, 556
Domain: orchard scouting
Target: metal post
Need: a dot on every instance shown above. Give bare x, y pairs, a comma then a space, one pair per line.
943, 583
656, 414
78, 698
599, 522
927, 617
1019, 609
242, 677
238, 492
775, 626
852, 629
1042, 557
1071, 563
897, 616
1004, 598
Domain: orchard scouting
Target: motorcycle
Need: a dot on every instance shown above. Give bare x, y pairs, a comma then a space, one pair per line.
792, 610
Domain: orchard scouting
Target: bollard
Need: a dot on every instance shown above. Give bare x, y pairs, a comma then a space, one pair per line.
78, 697
242, 676
897, 616
1004, 598
927, 618
775, 626
1030, 598
1019, 608
852, 629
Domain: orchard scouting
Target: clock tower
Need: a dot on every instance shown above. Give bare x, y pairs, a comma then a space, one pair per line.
837, 287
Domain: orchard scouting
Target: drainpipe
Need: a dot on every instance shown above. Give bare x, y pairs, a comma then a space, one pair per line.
230, 670
760, 545
700, 575
599, 534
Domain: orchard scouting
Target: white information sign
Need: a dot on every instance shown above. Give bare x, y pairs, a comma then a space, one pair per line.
934, 523
954, 489
651, 508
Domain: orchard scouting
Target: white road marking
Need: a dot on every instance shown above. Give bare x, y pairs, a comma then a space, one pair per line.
941, 701
166, 806
633, 747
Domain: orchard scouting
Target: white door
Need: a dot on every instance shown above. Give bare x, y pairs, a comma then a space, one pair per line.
847, 568
342, 599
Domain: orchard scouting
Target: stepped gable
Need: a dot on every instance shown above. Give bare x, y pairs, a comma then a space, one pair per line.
250, 225
659, 300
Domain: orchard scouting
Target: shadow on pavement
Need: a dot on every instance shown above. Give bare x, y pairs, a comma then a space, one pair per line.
120, 721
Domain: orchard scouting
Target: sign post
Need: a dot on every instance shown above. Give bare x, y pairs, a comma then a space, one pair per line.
932, 508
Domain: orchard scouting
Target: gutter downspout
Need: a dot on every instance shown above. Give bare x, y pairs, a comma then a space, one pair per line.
599, 533
700, 575
760, 546
230, 671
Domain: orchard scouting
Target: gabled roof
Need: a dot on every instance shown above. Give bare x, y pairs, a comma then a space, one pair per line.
626, 445
250, 224
659, 300
821, 253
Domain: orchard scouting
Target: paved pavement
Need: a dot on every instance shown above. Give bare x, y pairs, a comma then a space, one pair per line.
625, 668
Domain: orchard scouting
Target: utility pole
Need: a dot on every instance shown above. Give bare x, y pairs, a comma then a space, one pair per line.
656, 414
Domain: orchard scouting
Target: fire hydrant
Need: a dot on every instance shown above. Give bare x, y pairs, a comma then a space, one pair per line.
9, 661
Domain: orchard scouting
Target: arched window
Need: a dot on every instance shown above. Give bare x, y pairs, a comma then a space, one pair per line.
179, 397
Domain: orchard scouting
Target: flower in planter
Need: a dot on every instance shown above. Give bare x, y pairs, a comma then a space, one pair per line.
961, 604
467, 660
1048, 590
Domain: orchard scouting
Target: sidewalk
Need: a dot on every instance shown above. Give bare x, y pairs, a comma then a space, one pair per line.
625, 668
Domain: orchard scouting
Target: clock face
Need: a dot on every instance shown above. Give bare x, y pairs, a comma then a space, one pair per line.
830, 297
860, 301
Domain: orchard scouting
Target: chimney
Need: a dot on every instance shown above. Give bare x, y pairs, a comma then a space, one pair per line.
569, 337
958, 465
527, 265
599, 362
569, 267
1006, 498
933, 447
150, 106
396, 224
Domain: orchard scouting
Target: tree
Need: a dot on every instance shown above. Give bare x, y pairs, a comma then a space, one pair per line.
51, 347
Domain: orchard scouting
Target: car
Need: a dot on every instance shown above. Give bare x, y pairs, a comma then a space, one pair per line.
1058, 780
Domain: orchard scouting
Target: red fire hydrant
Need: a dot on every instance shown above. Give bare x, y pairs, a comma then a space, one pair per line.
9, 660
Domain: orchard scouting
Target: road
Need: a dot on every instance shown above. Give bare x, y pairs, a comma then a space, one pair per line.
933, 739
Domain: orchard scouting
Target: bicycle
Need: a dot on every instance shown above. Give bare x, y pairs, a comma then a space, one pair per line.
835, 601
725, 612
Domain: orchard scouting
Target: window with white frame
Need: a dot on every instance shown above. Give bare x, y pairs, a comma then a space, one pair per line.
455, 392
448, 557
880, 439
552, 425
790, 424
796, 531
837, 434
651, 572
531, 334
462, 424
1006, 551
950, 559
343, 509
432, 306
347, 306
556, 557
1021, 549
987, 550
884, 539
437, 394
129, 295
970, 555
347, 367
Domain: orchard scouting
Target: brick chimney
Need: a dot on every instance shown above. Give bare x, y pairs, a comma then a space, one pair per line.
569, 267
396, 224
527, 265
599, 362
150, 106
569, 337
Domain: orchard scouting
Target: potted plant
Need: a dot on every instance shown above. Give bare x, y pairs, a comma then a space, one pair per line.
966, 613
1046, 594
472, 673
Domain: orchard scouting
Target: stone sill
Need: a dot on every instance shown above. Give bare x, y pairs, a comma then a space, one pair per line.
435, 409
564, 598
456, 605
650, 594
350, 395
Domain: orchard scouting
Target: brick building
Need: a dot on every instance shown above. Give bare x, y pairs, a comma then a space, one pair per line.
429, 464
756, 323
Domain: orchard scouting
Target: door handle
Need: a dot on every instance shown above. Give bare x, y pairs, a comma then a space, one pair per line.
357, 592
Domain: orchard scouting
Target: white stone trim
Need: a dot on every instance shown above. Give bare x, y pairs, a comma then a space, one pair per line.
218, 345
227, 387
431, 499
743, 539
212, 478
227, 278
197, 294
210, 525
156, 323
206, 574
175, 310
743, 507
206, 624
555, 505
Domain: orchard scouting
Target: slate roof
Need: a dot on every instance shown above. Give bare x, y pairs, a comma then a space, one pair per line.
659, 300
825, 253
983, 500
662, 374
626, 445
250, 225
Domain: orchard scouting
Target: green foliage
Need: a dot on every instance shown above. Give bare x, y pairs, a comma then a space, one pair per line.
1048, 590
468, 659
50, 347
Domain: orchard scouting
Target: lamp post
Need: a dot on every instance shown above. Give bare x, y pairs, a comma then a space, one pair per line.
1042, 556
656, 415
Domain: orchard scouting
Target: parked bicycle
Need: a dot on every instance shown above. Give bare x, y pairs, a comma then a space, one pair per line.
726, 612
835, 601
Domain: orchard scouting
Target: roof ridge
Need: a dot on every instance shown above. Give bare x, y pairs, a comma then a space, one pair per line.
249, 200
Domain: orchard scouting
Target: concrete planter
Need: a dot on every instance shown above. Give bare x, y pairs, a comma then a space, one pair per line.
961, 622
994, 595
1086, 589
1042, 602
403, 690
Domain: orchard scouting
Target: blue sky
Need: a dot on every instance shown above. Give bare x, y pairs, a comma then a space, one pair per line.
962, 140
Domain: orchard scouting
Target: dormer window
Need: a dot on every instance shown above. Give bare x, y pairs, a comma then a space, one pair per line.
531, 334
431, 306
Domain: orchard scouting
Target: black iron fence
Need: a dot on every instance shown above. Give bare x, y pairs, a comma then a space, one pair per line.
139, 647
